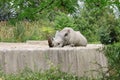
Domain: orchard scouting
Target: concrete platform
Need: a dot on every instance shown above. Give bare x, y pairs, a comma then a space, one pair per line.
88, 61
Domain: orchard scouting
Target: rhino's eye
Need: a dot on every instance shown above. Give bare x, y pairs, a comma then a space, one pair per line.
66, 34
58, 43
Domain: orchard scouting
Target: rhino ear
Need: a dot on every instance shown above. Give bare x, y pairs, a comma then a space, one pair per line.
66, 34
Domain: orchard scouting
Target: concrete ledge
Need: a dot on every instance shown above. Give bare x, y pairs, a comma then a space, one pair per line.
14, 57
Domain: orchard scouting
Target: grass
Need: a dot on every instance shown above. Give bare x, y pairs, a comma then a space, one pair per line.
53, 73
112, 53
22, 31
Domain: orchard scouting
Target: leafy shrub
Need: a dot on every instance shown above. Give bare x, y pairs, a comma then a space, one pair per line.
62, 20
110, 33
88, 27
47, 32
112, 53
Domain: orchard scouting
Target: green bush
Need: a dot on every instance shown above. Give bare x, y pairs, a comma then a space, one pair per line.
112, 53
63, 20
88, 27
110, 31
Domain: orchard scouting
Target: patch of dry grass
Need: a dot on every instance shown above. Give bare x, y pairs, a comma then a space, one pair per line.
22, 31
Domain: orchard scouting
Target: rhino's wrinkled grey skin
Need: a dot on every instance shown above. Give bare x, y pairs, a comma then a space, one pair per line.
58, 40
68, 36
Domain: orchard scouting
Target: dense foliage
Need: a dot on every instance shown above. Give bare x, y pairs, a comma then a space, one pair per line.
112, 53
111, 33
95, 19
34, 9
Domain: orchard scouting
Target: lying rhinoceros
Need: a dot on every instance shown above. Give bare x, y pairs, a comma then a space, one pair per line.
67, 36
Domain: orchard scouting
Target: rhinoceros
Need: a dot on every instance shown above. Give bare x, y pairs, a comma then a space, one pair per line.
67, 36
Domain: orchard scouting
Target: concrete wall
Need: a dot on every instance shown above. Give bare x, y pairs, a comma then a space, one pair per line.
14, 57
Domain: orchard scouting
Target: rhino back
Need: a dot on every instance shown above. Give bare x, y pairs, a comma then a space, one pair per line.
77, 39
82, 41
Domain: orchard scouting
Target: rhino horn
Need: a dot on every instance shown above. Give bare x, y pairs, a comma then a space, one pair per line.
50, 44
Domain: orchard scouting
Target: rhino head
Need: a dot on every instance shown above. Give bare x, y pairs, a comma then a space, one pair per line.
61, 37
56, 41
